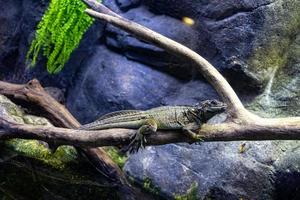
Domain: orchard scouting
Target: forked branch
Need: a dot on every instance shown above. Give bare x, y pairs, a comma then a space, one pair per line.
212, 75
242, 125
236, 110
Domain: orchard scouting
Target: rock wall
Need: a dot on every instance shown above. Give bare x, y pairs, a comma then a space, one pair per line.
254, 43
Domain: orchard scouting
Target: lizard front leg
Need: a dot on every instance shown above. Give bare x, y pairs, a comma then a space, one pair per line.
188, 130
139, 139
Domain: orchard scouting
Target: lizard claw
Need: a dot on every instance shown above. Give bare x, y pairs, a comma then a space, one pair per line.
199, 140
198, 143
137, 142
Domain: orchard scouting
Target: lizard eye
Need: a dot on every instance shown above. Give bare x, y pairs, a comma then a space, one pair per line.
214, 102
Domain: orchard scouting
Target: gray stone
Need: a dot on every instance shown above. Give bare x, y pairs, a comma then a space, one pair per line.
212, 36
287, 176
56, 93
254, 43
128, 4
281, 97
17, 22
149, 54
221, 170
211, 9
258, 45
110, 82
191, 93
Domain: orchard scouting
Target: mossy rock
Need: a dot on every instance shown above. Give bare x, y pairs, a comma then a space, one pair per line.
32, 171
276, 59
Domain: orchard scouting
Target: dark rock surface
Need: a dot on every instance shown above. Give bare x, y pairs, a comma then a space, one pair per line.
123, 84
211, 9
287, 177
255, 43
223, 33
17, 23
18, 20
118, 84
221, 170
146, 53
125, 5
214, 167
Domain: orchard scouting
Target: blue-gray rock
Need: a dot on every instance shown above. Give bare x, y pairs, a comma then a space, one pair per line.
149, 54
221, 170
223, 33
287, 176
109, 82
255, 43
281, 96
17, 22
211, 9
258, 43
128, 4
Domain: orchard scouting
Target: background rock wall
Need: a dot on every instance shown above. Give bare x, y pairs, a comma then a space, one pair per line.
255, 44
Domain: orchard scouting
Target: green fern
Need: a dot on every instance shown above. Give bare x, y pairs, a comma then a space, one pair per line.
59, 33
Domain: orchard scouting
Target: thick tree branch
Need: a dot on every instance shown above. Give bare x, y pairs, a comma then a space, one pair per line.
34, 93
262, 130
100, 7
242, 125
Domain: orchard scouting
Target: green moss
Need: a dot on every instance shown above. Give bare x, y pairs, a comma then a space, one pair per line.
273, 46
131, 179
150, 187
268, 57
35, 149
31, 171
116, 156
276, 52
59, 33
191, 193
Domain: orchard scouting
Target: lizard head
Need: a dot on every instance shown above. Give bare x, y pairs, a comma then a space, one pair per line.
210, 108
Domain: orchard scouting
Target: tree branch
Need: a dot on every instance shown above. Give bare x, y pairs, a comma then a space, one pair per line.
100, 8
34, 93
223, 88
263, 130
241, 126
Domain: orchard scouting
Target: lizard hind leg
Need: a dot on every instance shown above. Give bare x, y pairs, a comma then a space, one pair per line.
139, 140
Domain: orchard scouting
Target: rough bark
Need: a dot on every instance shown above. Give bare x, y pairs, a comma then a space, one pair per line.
241, 124
34, 93
266, 129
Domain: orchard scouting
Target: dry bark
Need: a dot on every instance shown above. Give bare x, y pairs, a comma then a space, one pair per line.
241, 124
34, 93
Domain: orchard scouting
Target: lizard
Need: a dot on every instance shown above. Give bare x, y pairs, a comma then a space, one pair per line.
185, 118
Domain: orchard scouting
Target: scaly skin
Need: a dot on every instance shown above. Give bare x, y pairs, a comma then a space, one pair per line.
165, 117
186, 118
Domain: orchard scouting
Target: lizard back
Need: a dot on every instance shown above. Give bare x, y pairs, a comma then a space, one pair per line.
118, 119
